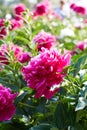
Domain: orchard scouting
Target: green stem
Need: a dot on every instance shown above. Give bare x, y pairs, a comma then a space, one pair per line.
26, 105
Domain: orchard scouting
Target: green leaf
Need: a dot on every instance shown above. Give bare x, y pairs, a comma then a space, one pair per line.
42, 127
82, 103
83, 92
78, 64
20, 97
63, 115
2, 41
21, 40
54, 128
81, 115
84, 66
62, 91
8, 127
22, 33
77, 127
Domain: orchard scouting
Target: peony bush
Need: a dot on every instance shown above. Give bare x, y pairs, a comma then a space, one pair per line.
43, 69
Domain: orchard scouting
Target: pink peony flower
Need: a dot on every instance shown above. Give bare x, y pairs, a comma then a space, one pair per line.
3, 31
42, 8
19, 9
3, 54
81, 45
2, 22
24, 57
7, 108
16, 49
15, 24
46, 71
18, 54
73, 5
3, 59
78, 9
5, 50
44, 39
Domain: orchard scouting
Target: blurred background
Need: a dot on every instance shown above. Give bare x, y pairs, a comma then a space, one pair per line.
6, 6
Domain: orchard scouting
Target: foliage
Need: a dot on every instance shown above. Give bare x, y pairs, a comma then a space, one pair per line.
68, 107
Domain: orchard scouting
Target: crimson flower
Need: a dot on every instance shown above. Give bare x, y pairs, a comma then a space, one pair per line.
45, 72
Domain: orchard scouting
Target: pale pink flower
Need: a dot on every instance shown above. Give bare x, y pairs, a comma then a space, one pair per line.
54, 15
7, 108
85, 21
44, 39
45, 71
